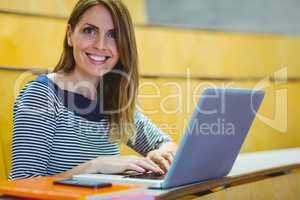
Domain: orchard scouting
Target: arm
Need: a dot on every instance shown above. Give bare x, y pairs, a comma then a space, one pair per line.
34, 126
34, 130
112, 165
164, 155
153, 143
170, 147
117, 164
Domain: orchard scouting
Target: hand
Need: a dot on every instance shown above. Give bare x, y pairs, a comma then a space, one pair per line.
163, 156
162, 159
120, 164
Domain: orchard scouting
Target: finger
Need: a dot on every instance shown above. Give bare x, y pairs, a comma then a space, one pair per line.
169, 157
147, 166
133, 166
158, 169
145, 163
163, 163
172, 153
152, 157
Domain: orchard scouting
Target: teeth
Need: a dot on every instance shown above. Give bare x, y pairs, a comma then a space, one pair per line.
97, 58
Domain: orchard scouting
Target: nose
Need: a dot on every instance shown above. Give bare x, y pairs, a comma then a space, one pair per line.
100, 42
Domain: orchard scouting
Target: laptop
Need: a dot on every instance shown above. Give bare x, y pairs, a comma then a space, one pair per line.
211, 142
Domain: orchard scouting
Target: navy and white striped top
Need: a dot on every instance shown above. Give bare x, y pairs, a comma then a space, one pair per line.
50, 135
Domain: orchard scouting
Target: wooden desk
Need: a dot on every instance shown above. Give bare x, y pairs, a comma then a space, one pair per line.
280, 187
249, 169
260, 175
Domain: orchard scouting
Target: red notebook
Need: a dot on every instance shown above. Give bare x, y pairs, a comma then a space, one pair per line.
42, 188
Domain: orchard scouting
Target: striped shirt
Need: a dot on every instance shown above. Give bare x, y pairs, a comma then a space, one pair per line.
51, 134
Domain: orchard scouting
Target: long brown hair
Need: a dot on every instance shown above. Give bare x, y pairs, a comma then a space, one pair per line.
121, 87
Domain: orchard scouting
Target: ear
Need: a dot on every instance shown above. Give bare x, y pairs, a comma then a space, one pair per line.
69, 35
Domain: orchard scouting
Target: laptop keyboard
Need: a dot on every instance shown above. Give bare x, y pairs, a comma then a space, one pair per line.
147, 176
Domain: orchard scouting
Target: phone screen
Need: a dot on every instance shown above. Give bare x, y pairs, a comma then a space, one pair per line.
83, 183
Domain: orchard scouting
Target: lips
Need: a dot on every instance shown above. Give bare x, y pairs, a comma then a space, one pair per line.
97, 59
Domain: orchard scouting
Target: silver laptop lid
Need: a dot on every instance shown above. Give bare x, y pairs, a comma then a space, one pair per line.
214, 135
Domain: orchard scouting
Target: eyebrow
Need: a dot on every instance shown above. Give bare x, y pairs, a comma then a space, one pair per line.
96, 27
92, 26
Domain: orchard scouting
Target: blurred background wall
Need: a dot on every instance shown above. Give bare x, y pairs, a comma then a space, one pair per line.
184, 46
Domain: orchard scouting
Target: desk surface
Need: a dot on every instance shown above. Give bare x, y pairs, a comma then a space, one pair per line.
257, 161
248, 167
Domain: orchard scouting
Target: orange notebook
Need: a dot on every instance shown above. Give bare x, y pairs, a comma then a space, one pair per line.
43, 188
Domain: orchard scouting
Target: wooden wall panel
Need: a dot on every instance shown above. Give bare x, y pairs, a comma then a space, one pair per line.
10, 84
27, 41
59, 8
30, 41
174, 51
137, 10
63, 8
170, 108
3, 162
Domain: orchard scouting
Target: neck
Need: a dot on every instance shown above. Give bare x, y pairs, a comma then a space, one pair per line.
83, 84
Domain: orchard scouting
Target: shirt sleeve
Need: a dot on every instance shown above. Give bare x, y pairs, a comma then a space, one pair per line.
148, 136
34, 127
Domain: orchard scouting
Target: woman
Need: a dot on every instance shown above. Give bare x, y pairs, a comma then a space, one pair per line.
72, 120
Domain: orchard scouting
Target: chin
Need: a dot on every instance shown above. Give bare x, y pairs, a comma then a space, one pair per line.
97, 72
101, 73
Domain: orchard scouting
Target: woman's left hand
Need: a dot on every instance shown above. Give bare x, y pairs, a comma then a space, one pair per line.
164, 155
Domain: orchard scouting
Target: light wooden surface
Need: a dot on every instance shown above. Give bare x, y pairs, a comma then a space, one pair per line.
59, 8
251, 183
213, 54
285, 187
244, 173
253, 162
163, 50
63, 8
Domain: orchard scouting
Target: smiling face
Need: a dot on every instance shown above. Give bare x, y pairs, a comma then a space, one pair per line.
91, 51
94, 42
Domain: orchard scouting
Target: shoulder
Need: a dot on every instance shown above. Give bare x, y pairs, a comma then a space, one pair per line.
37, 92
139, 117
142, 121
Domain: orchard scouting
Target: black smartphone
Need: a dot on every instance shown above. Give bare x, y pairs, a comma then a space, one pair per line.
83, 183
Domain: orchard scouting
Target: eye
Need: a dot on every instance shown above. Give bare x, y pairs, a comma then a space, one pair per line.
112, 34
89, 31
